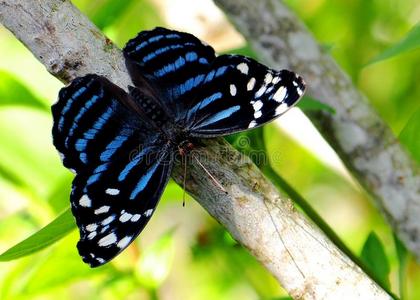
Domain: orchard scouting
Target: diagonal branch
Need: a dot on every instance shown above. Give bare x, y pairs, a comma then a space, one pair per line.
306, 263
363, 141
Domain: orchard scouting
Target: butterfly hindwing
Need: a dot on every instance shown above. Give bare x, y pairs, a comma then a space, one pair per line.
113, 208
239, 94
122, 164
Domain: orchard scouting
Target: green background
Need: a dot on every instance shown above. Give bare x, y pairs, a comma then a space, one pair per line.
183, 253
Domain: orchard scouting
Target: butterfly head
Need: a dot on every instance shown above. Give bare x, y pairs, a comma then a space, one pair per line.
185, 147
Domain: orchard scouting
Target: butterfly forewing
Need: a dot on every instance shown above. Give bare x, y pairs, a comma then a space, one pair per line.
122, 165
239, 93
175, 63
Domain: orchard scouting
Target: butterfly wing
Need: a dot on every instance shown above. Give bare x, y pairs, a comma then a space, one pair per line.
113, 207
238, 94
122, 165
209, 96
174, 63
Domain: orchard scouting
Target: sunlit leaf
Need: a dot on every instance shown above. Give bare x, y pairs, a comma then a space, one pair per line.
45, 237
374, 257
410, 42
410, 137
155, 262
13, 92
307, 103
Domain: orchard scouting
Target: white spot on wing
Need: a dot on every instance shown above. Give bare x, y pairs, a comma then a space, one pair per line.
257, 114
280, 94
268, 78
108, 220
299, 91
101, 210
91, 235
251, 84
105, 228
281, 109
85, 201
276, 79
257, 105
91, 227
232, 89
148, 212
135, 218
260, 92
295, 83
243, 67
252, 124
100, 260
112, 192
124, 242
107, 240
125, 217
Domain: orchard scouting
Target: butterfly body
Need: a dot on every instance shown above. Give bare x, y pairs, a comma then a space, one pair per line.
122, 145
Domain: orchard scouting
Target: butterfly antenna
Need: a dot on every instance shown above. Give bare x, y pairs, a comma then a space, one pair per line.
185, 179
211, 176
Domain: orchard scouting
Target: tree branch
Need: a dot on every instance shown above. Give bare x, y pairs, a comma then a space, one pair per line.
362, 140
306, 263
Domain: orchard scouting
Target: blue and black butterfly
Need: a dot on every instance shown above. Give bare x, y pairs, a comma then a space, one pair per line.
121, 146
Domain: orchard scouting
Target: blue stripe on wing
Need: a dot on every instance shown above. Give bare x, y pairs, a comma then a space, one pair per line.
144, 180
91, 123
111, 212
220, 116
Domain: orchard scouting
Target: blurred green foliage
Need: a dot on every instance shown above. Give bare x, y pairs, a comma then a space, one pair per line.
183, 253
374, 257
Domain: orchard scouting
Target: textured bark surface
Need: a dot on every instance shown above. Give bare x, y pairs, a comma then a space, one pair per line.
363, 141
304, 261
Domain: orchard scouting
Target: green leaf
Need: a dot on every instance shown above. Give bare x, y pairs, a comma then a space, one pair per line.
308, 103
13, 92
409, 136
154, 265
374, 257
65, 257
45, 237
403, 259
410, 42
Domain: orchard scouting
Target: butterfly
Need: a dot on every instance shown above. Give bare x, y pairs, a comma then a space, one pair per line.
121, 146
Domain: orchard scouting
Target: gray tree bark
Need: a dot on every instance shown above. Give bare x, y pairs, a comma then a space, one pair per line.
263, 220
362, 140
